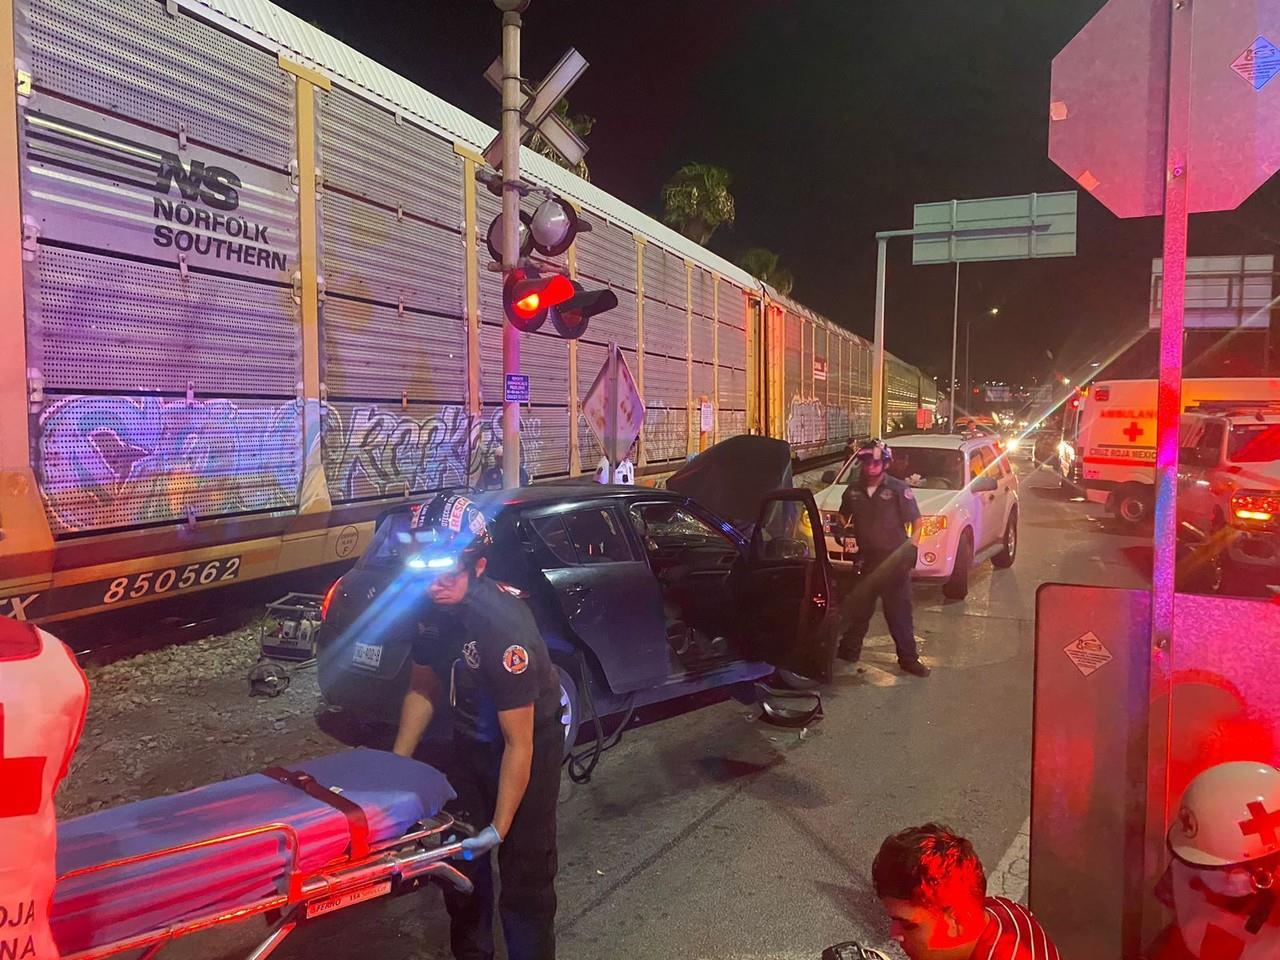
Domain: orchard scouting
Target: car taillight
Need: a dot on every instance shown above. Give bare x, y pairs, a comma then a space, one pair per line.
328, 599
1251, 508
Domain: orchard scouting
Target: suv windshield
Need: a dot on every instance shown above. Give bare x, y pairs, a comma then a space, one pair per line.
1254, 443
924, 467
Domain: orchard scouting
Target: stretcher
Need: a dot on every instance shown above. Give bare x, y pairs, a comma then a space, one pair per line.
293, 843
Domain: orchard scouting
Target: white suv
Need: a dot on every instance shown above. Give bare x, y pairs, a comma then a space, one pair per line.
968, 496
1229, 481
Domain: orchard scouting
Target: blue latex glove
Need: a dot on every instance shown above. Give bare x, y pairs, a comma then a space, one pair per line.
481, 843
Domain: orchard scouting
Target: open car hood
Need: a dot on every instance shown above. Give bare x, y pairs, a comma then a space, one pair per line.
732, 478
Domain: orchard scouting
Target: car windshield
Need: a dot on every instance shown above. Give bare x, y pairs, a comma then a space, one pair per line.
923, 467
1254, 443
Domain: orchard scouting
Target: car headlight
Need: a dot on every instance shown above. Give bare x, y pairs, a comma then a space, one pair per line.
1014, 443
932, 526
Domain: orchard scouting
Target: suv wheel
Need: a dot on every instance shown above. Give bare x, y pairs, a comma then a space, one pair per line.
1004, 559
957, 588
570, 707
1133, 503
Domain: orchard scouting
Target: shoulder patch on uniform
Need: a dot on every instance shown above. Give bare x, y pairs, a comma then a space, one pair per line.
908, 494
513, 591
515, 659
471, 654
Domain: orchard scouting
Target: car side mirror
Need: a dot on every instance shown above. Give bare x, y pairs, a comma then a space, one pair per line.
829, 476
985, 485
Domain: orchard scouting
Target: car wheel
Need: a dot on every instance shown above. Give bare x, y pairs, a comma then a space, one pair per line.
570, 707
1133, 503
957, 588
1004, 559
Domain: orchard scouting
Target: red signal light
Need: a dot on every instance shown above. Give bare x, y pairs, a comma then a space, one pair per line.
527, 297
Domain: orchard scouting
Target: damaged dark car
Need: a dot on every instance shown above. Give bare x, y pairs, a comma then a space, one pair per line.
642, 595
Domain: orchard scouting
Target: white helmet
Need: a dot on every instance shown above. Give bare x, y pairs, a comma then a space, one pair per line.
1230, 814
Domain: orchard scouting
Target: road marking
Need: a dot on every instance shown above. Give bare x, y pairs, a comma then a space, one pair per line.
1011, 875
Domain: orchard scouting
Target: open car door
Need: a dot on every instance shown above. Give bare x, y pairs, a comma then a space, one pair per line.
789, 598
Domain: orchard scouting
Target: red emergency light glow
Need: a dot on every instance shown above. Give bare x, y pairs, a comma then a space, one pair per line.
328, 599
555, 290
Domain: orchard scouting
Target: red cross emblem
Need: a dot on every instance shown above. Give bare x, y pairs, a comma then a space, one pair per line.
23, 779
1264, 824
1133, 432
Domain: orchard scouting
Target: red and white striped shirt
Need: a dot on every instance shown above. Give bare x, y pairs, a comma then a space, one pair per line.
1012, 933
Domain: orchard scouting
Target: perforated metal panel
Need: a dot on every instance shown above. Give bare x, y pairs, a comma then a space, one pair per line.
733, 389
666, 329
376, 352
703, 297
112, 185
792, 383
607, 254
109, 461
544, 358
703, 382
372, 255
109, 324
366, 153
544, 441
703, 346
664, 277
375, 449
134, 59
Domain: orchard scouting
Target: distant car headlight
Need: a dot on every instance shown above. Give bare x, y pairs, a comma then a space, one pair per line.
932, 526
1014, 444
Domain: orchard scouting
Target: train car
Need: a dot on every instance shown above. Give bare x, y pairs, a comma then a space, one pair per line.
250, 308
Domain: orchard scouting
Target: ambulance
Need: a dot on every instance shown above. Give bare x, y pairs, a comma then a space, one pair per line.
1117, 440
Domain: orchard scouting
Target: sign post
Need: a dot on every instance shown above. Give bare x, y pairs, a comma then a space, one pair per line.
613, 408
524, 110
1025, 227
1149, 129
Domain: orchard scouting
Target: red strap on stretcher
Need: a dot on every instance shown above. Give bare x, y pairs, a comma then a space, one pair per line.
354, 813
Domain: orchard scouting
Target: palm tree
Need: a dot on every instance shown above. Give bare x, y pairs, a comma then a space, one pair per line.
580, 124
763, 265
697, 200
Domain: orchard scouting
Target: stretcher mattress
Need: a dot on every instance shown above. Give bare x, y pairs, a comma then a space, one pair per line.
394, 794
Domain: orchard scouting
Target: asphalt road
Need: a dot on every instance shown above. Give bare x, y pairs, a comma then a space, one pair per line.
709, 834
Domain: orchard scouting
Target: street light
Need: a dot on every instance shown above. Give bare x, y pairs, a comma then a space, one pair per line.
993, 312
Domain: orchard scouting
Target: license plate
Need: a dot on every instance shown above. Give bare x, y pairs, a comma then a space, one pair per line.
367, 655
350, 898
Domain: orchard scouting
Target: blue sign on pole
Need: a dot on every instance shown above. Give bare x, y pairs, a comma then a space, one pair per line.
517, 388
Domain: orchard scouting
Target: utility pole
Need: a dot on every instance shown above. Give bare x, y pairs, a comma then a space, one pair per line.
955, 342
511, 103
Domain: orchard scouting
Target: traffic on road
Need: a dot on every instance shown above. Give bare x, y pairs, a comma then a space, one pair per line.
415, 543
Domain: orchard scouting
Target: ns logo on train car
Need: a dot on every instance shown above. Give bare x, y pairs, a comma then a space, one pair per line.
215, 186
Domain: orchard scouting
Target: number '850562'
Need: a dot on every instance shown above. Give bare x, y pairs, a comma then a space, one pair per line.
173, 578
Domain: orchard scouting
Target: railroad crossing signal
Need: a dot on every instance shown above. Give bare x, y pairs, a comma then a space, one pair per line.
1108, 97
529, 298
537, 111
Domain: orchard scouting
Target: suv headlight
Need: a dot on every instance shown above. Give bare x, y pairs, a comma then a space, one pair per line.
1255, 508
932, 526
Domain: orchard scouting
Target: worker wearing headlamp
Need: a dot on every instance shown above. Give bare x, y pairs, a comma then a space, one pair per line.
508, 739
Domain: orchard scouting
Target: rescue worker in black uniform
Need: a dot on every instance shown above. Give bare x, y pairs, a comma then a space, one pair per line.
877, 510
508, 739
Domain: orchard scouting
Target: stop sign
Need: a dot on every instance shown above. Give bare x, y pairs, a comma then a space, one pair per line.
1109, 93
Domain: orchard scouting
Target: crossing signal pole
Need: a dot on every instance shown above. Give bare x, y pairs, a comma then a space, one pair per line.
511, 103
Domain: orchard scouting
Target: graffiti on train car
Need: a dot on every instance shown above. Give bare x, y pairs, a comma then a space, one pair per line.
378, 451
116, 461
806, 422
666, 432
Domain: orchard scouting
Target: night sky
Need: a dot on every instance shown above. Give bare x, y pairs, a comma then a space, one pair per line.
834, 117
